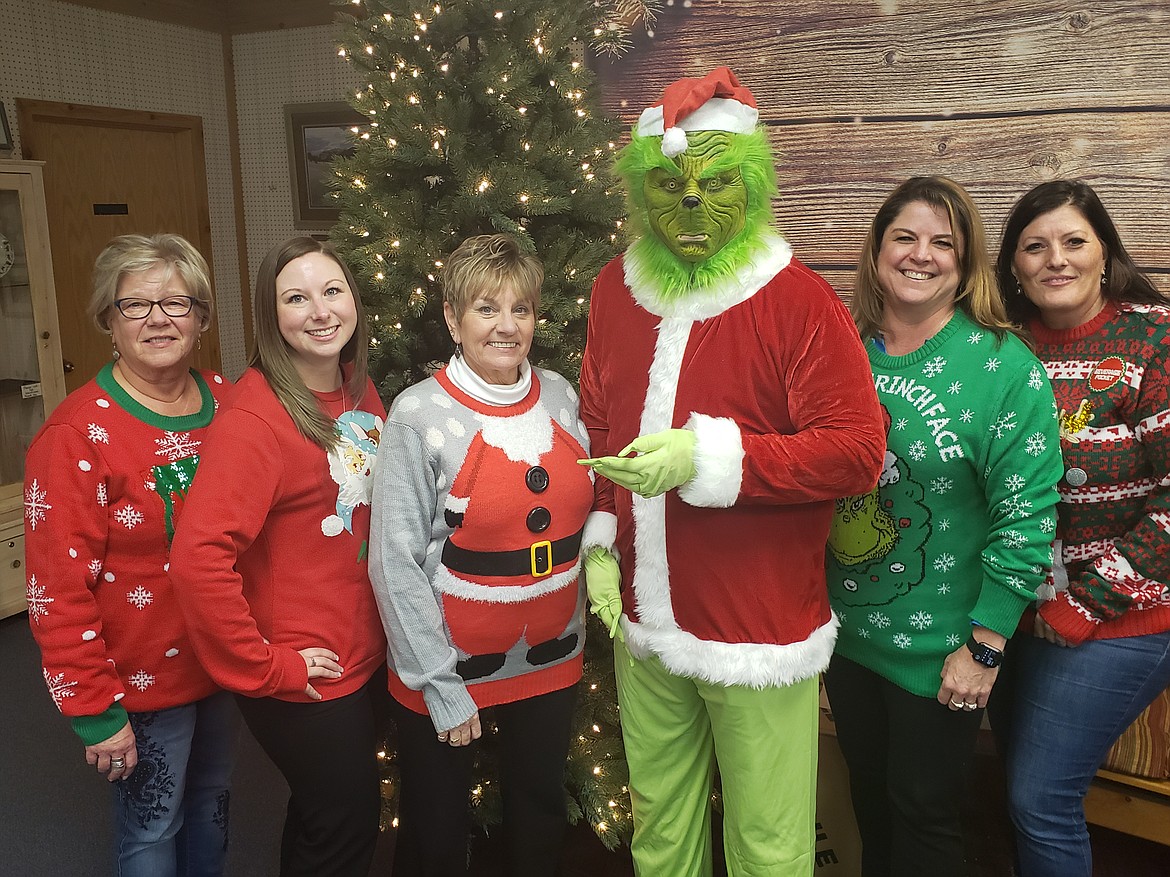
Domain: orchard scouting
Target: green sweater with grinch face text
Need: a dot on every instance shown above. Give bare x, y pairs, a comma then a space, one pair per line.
959, 529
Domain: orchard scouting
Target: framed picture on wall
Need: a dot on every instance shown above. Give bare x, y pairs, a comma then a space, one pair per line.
5, 131
317, 133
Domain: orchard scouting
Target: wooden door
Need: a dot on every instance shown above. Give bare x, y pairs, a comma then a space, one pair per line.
110, 172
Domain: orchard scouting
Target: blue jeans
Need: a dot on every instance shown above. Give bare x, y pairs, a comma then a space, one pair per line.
1064, 708
172, 812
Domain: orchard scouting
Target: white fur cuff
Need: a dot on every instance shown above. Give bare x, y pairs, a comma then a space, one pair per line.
600, 532
718, 462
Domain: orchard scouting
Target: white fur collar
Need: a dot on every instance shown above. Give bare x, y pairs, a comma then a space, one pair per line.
771, 257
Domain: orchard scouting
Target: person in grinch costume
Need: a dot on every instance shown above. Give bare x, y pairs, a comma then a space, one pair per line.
729, 403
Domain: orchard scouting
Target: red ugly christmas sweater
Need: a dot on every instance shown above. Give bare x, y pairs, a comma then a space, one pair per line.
1111, 379
271, 557
105, 481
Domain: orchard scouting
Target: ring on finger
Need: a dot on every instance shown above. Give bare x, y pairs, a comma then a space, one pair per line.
969, 706
312, 662
957, 704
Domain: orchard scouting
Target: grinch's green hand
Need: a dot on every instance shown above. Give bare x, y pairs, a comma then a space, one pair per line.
665, 460
603, 581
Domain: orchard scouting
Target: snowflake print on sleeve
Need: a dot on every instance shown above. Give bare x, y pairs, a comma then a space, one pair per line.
1036, 378
129, 517
992, 365
1014, 483
1016, 506
1036, 444
141, 680
36, 505
1003, 425
58, 687
38, 601
97, 434
140, 598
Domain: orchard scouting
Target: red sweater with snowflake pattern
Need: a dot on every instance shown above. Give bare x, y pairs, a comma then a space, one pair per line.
105, 480
1111, 378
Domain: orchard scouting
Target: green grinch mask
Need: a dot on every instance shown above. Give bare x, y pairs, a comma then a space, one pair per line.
697, 205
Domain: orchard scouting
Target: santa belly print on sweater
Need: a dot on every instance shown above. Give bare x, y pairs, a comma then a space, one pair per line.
508, 575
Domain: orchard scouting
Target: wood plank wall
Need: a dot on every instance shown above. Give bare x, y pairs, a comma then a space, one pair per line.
999, 95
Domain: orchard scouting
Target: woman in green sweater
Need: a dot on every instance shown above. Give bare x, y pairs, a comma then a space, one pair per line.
930, 572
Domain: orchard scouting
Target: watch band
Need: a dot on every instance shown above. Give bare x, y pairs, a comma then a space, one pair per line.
988, 656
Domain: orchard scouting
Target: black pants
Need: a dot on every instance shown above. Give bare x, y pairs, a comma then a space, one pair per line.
327, 752
433, 817
908, 759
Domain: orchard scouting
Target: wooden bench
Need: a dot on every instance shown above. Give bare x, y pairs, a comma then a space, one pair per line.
1129, 804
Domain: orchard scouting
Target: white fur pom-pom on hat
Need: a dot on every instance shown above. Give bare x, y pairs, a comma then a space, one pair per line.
674, 142
716, 102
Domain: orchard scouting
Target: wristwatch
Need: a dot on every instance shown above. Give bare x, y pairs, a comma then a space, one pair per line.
988, 656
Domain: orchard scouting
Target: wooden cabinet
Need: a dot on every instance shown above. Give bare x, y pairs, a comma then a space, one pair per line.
32, 379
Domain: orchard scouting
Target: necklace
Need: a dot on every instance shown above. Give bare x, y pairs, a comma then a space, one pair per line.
183, 401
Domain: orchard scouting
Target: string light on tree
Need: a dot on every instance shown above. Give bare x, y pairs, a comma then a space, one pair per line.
480, 119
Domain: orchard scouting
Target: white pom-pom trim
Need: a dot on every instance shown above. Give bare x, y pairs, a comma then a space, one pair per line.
674, 142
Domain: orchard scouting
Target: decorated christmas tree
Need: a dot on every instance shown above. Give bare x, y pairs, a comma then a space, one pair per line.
480, 119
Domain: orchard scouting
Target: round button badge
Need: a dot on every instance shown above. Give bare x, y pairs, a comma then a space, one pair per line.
1076, 476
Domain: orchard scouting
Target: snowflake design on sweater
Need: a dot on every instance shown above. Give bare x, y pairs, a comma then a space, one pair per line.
58, 687
863, 633
942, 484
944, 524
1036, 378
141, 680
174, 446
901, 424
1014, 483
97, 434
945, 562
878, 620
95, 568
1015, 581
140, 598
992, 365
1036, 444
917, 451
103, 498
1047, 525
902, 640
953, 639
921, 620
129, 517
1016, 506
1003, 425
35, 504
1014, 539
974, 337
955, 388
944, 589
966, 415
38, 600
933, 367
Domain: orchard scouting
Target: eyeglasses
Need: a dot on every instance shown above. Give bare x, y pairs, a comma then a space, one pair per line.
140, 308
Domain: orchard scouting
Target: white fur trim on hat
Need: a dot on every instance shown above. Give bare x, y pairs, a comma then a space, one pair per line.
717, 114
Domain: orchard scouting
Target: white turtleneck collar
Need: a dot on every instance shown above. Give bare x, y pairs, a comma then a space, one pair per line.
477, 388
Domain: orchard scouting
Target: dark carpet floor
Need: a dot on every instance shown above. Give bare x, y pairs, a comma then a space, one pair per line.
55, 813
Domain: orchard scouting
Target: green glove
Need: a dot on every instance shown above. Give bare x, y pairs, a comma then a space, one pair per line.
665, 460
603, 581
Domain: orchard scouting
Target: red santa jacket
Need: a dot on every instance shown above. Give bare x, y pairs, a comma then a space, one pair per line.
724, 578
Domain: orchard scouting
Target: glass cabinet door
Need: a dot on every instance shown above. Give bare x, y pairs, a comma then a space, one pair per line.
31, 375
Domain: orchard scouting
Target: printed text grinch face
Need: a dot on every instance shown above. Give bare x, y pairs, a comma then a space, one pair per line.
697, 206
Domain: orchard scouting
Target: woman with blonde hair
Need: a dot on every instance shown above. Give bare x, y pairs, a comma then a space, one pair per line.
270, 565
105, 480
930, 572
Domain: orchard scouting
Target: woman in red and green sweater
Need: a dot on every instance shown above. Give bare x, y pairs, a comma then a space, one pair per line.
105, 482
1098, 650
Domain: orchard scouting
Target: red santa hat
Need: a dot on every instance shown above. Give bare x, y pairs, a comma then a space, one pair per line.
717, 102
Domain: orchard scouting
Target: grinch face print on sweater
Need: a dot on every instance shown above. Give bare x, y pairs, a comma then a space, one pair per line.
351, 465
878, 537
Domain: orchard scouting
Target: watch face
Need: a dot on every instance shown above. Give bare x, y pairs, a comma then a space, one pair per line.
6, 255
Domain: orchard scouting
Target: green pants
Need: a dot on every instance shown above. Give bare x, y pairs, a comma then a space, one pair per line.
675, 729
